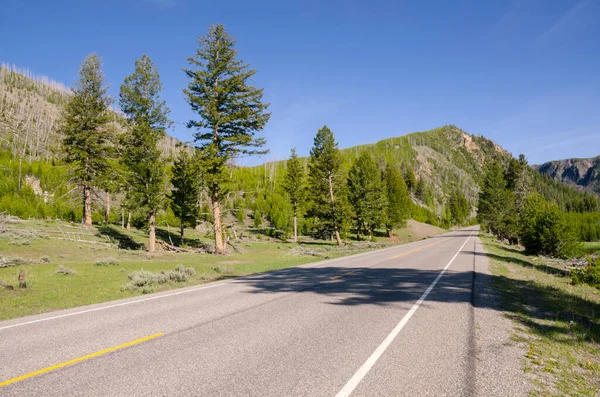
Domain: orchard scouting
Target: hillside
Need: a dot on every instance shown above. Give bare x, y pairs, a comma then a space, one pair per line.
36, 183
583, 174
30, 112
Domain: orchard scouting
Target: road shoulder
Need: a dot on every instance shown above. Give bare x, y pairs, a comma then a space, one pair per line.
499, 359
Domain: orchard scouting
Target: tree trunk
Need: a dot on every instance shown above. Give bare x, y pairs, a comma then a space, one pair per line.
219, 247
181, 232
389, 232
337, 237
128, 220
335, 228
107, 208
122, 218
152, 233
295, 229
87, 205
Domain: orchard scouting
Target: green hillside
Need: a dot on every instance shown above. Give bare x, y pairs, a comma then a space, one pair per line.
35, 183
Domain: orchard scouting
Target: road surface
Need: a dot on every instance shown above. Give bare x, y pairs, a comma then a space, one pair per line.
393, 322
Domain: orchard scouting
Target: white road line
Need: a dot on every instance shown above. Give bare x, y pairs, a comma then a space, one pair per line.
196, 289
366, 367
111, 306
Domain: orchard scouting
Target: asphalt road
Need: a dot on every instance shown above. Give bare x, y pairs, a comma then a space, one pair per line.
386, 323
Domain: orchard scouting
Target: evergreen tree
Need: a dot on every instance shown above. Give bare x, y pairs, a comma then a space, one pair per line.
147, 118
459, 207
86, 138
293, 184
366, 195
495, 201
230, 113
410, 178
397, 210
186, 190
326, 184
518, 181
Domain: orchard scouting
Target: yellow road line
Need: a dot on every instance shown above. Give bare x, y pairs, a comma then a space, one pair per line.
76, 360
343, 274
417, 249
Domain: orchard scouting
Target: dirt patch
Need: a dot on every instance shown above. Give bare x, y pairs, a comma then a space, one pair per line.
422, 230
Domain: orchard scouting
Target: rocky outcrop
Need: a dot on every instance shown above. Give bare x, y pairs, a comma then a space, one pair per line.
583, 174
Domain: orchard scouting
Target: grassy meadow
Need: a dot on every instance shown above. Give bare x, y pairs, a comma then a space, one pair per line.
91, 273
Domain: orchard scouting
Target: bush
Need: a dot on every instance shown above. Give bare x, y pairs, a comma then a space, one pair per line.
589, 274
143, 281
107, 262
546, 231
64, 271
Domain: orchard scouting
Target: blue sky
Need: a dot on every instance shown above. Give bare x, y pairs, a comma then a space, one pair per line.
523, 73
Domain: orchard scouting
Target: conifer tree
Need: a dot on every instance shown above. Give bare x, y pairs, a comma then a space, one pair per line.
397, 210
459, 207
186, 190
326, 185
230, 113
496, 203
366, 195
86, 138
293, 184
148, 119
410, 178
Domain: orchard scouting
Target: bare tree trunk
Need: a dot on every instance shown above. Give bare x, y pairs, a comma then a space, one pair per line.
337, 237
181, 232
389, 232
335, 228
152, 233
87, 205
122, 218
107, 208
219, 247
295, 229
128, 220
20, 171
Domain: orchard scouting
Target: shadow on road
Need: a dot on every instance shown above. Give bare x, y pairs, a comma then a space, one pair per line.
530, 303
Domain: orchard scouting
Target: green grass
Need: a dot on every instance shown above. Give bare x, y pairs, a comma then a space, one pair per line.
591, 248
559, 322
90, 283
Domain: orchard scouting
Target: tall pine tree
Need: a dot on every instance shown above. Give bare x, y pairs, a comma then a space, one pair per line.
397, 210
86, 138
366, 195
186, 190
326, 185
148, 119
230, 113
293, 184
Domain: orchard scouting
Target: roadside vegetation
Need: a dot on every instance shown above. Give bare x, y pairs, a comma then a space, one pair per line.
65, 265
557, 319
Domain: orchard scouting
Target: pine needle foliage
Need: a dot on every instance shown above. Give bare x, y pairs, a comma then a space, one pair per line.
230, 111
294, 186
186, 189
366, 195
148, 119
326, 179
397, 209
86, 138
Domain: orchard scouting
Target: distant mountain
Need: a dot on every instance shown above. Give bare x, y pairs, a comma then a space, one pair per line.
583, 174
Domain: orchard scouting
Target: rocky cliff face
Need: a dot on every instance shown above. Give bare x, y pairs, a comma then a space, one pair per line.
581, 173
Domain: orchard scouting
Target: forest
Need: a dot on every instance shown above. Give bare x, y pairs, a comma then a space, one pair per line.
74, 155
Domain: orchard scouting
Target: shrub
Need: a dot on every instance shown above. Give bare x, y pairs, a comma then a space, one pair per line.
590, 274
45, 259
143, 281
65, 271
545, 230
107, 262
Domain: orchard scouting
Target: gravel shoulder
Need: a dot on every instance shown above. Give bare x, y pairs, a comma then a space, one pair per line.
499, 359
